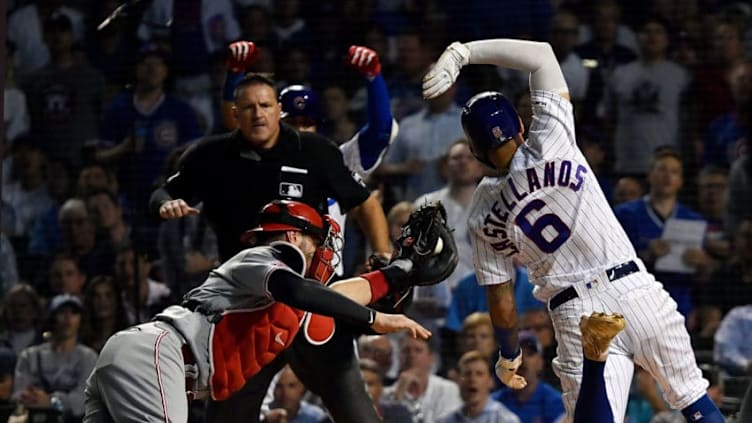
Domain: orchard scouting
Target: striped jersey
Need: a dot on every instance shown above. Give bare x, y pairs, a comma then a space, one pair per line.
548, 212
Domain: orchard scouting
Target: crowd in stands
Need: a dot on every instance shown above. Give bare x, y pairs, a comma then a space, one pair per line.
96, 119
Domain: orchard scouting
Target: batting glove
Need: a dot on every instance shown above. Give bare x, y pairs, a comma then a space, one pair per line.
364, 60
506, 370
242, 54
445, 72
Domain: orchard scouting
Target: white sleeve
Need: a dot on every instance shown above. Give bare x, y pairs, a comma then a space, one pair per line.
351, 153
534, 57
552, 133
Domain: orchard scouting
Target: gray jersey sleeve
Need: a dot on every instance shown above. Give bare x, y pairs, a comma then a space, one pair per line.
241, 282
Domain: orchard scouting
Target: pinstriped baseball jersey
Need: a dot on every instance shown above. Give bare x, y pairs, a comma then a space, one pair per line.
548, 211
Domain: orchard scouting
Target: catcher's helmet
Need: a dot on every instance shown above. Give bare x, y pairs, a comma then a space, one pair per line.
286, 215
490, 121
299, 101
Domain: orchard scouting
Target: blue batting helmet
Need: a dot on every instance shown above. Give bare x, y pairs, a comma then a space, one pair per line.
490, 121
299, 100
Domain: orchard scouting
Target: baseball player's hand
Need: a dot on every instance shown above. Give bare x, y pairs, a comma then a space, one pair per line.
659, 247
241, 55
506, 370
174, 209
388, 323
364, 60
445, 72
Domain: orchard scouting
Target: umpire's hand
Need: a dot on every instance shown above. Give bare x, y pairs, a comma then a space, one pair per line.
174, 209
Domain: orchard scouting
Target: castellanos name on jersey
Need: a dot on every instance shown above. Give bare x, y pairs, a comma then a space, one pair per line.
548, 211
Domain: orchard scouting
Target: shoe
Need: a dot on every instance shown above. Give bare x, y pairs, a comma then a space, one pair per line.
598, 330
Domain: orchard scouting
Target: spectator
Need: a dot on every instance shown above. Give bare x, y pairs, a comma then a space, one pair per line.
413, 59
712, 81
338, 125
469, 297
379, 349
104, 312
78, 238
463, 172
21, 313
142, 296
727, 135
66, 277
423, 138
590, 141
44, 236
27, 195
739, 187
107, 214
397, 216
26, 31
643, 222
256, 24
563, 40
733, 351
475, 384
731, 285
712, 183
198, 29
7, 369
187, 247
602, 54
16, 113
537, 401
645, 98
538, 321
95, 177
295, 67
477, 335
628, 188
391, 411
139, 129
288, 396
65, 97
53, 374
289, 29
431, 395
8, 268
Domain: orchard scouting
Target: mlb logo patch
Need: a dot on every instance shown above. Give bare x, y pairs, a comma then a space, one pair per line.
697, 416
287, 189
497, 132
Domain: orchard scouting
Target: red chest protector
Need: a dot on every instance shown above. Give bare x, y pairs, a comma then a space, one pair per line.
243, 342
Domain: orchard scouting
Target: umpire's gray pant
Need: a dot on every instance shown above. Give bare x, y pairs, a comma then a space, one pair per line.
139, 377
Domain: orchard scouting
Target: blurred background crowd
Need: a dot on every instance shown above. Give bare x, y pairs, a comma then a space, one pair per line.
94, 120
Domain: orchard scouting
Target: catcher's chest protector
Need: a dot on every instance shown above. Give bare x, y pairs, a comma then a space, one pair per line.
244, 341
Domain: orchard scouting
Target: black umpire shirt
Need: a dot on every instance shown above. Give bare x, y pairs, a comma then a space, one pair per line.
234, 181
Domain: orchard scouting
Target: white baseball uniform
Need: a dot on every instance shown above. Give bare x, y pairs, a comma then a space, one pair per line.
550, 212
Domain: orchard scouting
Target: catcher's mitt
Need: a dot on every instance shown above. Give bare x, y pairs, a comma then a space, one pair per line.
427, 241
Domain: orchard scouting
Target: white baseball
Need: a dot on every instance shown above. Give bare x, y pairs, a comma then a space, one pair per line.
439, 246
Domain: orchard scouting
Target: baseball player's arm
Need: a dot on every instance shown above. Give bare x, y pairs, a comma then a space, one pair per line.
535, 57
372, 221
312, 296
172, 200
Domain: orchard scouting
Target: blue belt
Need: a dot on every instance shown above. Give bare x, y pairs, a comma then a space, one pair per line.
614, 273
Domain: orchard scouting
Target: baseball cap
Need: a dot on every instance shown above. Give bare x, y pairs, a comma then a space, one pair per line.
530, 342
58, 22
63, 300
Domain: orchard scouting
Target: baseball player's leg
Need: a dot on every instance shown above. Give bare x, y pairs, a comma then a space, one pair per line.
140, 377
245, 405
569, 362
661, 345
597, 331
331, 371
